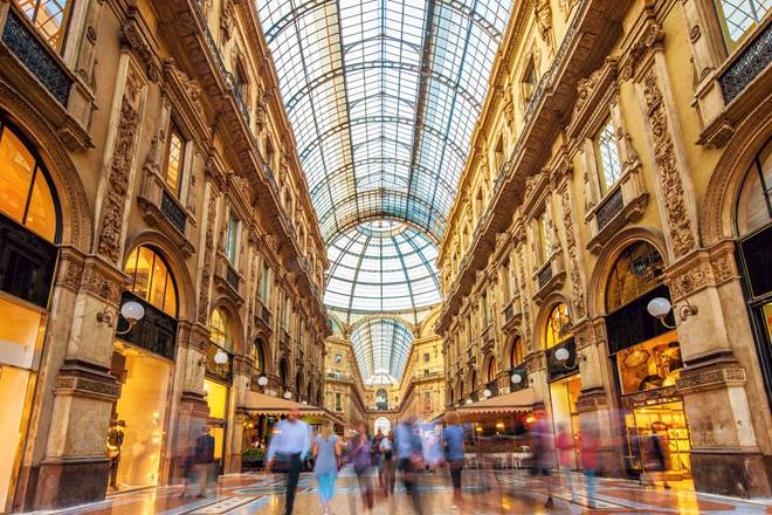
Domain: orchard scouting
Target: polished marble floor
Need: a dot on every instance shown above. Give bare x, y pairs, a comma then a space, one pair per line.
502, 492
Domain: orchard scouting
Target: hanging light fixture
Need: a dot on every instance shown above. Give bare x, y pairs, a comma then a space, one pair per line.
288, 395
487, 393
221, 357
262, 380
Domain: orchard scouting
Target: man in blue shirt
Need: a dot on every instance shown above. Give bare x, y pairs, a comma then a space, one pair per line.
453, 439
409, 458
289, 447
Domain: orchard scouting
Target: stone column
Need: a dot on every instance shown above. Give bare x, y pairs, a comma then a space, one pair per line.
75, 468
725, 436
192, 411
242, 368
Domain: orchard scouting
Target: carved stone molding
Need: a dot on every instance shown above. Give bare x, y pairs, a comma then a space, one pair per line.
589, 93
78, 378
70, 272
698, 380
678, 218
133, 35
650, 37
702, 269
574, 266
102, 280
120, 167
208, 255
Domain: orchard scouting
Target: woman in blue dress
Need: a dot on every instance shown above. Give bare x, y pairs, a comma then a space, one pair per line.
326, 450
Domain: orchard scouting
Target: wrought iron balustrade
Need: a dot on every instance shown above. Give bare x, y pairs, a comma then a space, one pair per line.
748, 65
610, 207
545, 275
173, 212
232, 277
23, 41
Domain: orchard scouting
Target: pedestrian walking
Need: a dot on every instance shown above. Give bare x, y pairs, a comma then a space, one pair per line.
453, 441
564, 445
409, 458
361, 458
542, 454
326, 450
387, 458
203, 459
656, 453
589, 442
289, 447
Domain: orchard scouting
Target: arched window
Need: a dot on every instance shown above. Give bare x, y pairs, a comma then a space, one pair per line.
283, 372
219, 330
516, 353
754, 204
259, 355
151, 280
382, 399
638, 270
556, 330
491, 370
26, 192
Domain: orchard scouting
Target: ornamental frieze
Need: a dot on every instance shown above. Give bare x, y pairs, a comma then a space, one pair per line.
679, 225
711, 379
206, 268
577, 284
120, 167
74, 385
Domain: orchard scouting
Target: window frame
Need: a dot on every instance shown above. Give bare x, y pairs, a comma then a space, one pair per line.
598, 147
232, 238
175, 131
730, 44
62, 35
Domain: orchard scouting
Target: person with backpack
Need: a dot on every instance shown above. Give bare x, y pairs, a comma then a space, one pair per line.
203, 459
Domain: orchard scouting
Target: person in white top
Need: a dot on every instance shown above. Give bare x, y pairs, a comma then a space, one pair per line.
289, 447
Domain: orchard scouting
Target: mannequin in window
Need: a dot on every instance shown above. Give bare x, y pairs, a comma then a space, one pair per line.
115, 438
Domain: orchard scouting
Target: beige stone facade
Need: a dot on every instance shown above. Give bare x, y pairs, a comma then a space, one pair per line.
128, 88
611, 125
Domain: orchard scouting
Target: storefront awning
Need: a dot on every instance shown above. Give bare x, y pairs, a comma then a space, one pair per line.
261, 404
520, 401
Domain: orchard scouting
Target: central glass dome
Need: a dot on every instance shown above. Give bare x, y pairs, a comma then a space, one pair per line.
382, 266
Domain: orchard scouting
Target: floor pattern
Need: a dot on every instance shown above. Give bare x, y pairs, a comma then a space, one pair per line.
484, 493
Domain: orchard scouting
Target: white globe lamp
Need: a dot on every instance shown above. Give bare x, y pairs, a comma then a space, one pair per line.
288, 395
659, 307
561, 355
487, 393
262, 380
516, 378
133, 312
220, 357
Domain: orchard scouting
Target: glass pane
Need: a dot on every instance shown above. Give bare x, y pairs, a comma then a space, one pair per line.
41, 214
16, 168
556, 331
609, 164
20, 333
754, 205
158, 283
49, 16
739, 16
218, 329
638, 269
231, 245
174, 162
142, 272
170, 298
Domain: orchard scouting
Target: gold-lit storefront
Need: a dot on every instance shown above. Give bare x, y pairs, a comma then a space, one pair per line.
142, 363
563, 371
29, 231
647, 363
217, 400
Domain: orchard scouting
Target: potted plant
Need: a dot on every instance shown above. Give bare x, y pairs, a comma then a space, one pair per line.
252, 458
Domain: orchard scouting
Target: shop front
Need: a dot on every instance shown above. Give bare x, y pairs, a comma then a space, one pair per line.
218, 380
647, 362
563, 375
29, 231
143, 364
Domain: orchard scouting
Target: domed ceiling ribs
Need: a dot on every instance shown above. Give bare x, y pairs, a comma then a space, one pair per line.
383, 96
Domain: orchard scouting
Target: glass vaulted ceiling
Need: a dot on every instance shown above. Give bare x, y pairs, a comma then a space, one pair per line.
383, 96
381, 347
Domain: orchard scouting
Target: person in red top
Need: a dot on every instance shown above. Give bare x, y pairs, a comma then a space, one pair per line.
564, 445
589, 441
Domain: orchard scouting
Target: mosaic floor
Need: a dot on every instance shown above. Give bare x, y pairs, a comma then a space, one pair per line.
509, 492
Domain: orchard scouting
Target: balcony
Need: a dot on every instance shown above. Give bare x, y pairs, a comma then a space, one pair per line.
227, 279
512, 315
624, 204
263, 317
40, 75
747, 65
550, 277
163, 211
285, 341
488, 339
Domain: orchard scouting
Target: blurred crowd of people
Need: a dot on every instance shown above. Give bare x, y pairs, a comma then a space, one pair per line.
416, 448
